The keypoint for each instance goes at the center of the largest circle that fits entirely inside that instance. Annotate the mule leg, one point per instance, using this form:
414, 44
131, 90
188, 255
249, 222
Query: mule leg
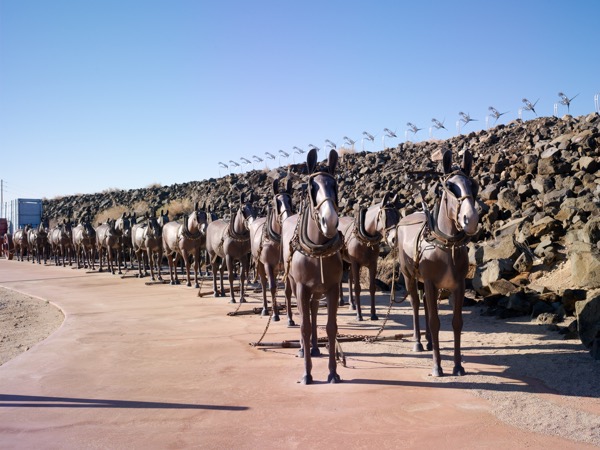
355, 277
170, 258
186, 262
372, 273
331, 328
262, 277
314, 312
140, 258
230, 276
457, 325
303, 299
411, 286
214, 275
288, 302
273, 287
429, 345
244, 269
433, 321
351, 299
196, 267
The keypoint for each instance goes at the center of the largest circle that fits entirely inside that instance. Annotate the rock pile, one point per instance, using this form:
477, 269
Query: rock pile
539, 200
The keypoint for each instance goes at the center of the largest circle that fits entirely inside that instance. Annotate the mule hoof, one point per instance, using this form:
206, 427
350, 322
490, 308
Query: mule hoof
264, 312
172, 283
306, 379
342, 303
300, 353
196, 286
334, 378
418, 347
437, 372
276, 319
243, 300
291, 323
374, 317
429, 346
459, 371
314, 351
216, 294
232, 300
359, 318
188, 284
353, 307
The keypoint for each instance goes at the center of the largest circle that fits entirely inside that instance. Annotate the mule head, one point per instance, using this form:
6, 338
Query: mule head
201, 218
322, 193
462, 191
154, 228
282, 201
389, 216
247, 210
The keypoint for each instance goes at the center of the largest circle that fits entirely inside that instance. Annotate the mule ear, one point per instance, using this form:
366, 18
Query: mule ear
275, 187
467, 162
385, 199
311, 160
394, 201
332, 161
196, 206
288, 186
447, 160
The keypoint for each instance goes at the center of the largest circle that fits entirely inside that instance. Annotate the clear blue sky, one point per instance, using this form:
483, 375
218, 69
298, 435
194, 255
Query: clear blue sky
108, 94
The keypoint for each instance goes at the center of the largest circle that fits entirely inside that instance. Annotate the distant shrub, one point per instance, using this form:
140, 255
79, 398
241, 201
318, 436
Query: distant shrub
113, 212
346, 151
154, 185
179, 206
110, 190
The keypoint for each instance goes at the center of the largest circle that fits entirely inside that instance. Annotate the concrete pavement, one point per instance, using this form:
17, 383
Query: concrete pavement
138, 366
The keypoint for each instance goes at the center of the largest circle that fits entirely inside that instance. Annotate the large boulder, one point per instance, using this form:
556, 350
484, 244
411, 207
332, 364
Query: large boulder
588, 322
585, 265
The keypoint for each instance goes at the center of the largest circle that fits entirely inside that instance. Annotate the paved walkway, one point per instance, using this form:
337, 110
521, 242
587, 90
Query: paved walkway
138, 366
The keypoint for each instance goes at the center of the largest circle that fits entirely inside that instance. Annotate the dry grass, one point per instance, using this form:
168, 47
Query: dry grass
154, 185
179, 206
346, 151
111, 213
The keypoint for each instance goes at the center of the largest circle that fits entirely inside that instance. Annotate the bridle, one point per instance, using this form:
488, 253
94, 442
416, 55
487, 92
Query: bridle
315, 207
459, 200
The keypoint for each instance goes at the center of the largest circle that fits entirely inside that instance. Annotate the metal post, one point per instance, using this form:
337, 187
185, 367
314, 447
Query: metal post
487, 122
556, 110
597, 102
521, 113
458, 126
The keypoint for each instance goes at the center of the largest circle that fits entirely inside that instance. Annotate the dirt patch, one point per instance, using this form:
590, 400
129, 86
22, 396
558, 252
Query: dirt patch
24, 322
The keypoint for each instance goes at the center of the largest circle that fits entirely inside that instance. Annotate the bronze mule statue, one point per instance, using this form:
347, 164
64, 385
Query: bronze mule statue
265, 240
312, 259
363, 234
228, 242
432, 249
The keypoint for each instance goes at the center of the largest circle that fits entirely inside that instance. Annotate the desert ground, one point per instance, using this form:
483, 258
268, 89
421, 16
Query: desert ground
178, 373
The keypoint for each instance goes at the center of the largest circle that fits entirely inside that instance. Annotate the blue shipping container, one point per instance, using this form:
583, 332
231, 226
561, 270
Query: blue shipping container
28, 211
